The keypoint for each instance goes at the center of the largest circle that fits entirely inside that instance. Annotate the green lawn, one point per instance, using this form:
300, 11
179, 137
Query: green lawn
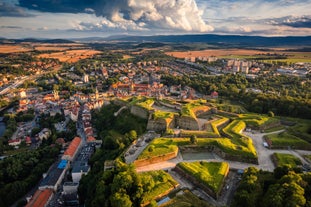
287, 159
163, 115
186, 199
159, 182
162, 146
215, 124
256, 120
212, 174
234, 129
274, 129
284, 139
189, 109
301, 129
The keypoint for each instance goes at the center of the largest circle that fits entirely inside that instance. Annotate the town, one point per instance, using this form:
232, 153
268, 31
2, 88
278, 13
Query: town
176, 109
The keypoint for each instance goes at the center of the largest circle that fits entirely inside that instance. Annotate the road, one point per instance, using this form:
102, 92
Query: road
23, 79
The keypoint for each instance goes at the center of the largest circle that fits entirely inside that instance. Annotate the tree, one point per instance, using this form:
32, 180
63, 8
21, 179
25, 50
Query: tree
132, 135
120, 200
193, 139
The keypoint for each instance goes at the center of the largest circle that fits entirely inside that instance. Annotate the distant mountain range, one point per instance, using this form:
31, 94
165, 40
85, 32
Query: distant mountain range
222, 40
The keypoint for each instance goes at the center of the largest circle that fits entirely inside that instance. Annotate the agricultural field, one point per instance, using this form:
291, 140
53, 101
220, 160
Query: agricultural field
186, 199
285, 140
268, 56
15, 48
70, 56
286, 159
57, 47
211, 174
217, 53
159, 182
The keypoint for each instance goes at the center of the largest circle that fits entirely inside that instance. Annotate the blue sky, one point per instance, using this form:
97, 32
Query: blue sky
101, 18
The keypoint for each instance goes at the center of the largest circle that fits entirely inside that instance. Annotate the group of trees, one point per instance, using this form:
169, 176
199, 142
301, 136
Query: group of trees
21, 172
283, 95
285, 187
118, 187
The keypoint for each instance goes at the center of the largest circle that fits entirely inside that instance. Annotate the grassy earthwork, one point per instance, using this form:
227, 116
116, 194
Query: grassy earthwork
211, 174
286, 159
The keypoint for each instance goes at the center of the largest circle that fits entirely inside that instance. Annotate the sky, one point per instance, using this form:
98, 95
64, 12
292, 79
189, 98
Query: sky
103, 18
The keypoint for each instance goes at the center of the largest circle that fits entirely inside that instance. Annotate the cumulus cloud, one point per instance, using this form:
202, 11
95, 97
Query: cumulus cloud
182, 15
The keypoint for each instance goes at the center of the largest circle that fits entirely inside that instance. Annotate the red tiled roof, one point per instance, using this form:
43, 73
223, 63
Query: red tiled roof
40, 198
91, 139
71, 150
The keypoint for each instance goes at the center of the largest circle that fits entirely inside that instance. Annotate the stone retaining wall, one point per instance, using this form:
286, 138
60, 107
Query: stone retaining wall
186, 122
152, 160
140, 112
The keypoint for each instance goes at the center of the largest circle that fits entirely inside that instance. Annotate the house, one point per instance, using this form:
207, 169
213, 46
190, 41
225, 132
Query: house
54, 177
14, 142
44, 134
214, 95
72, 149
41, 198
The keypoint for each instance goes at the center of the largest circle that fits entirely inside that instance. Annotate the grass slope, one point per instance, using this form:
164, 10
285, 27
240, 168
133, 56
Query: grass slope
211, 174
287, 159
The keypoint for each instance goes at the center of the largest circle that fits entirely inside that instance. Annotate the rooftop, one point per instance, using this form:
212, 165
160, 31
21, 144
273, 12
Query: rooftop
52, 176
40, 198
71, 150
62, 164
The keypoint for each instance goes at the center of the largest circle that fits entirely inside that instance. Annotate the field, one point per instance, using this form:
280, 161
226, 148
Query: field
291, 57
56, 47
14, 48
159, 182
70, 56
211, 174
286, 159
284, 140
216, 53
186, 199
